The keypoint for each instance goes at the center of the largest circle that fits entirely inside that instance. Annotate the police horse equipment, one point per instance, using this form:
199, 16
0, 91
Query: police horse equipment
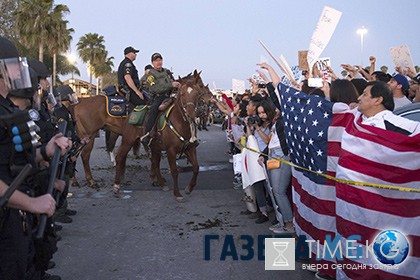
176, 136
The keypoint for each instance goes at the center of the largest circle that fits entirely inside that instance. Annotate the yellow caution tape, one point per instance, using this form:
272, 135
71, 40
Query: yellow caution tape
361, 184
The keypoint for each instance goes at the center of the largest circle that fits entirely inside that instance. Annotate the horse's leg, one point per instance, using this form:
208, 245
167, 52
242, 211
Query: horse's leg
136, 148
192, 157
155, 175
174, 172
128, 138
110, 144
85, 155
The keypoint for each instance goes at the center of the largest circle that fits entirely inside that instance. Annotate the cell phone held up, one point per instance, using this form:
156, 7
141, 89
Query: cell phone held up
315, 82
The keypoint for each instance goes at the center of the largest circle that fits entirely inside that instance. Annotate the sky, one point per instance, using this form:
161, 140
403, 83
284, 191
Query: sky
220, 38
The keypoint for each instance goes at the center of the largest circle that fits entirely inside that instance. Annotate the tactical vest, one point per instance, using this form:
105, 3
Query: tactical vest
162, 82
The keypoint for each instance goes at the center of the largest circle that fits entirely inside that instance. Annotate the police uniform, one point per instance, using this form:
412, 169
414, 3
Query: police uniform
15, 231
127, 67
159, 85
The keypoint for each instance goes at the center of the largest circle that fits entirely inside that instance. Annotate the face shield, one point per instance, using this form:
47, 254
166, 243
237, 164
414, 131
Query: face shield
37, 100
73, 98
15, 73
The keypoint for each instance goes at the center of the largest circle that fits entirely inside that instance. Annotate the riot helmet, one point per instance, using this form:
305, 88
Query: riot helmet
68, 94
14, 70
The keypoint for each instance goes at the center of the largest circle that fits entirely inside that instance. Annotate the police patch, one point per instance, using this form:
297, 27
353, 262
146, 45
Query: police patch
34, 115
150, 80
128, 64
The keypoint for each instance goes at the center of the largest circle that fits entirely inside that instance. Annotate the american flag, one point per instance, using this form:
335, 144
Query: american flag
328, 138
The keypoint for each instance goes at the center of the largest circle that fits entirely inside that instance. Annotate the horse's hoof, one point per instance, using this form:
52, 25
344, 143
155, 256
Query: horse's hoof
116, 190
155, 184
94, 186
165, 188
187, 190
179, 199
75, 184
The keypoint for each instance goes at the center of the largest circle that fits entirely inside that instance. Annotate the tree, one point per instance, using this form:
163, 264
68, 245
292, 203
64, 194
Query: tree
91, 50
7, 8
33, 22
59, 39
110, 78
103, 67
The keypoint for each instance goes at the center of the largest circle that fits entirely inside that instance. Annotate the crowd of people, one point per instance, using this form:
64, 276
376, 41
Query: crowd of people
373, 94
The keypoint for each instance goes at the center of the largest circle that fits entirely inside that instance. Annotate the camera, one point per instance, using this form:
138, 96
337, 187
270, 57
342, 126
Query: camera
262, 85
253, 119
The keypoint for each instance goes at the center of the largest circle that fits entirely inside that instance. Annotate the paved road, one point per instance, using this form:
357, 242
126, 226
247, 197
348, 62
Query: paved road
146, 234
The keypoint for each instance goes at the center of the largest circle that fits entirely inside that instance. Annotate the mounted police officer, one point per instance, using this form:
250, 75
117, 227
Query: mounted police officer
128, 78
159, 82
15, 220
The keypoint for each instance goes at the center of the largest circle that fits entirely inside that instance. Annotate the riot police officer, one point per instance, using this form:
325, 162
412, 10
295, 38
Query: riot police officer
159, 82
128, 77
15, 224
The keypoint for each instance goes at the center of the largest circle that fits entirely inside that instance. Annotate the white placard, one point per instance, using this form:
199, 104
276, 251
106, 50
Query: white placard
401, 57
323, 33
238, 86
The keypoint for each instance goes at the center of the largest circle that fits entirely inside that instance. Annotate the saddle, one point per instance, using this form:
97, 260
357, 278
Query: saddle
116, 106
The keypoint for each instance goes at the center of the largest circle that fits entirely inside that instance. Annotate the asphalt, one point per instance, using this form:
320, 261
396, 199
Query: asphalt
147, 234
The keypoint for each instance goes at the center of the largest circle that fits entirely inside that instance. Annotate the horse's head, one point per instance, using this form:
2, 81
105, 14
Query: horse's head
188, 96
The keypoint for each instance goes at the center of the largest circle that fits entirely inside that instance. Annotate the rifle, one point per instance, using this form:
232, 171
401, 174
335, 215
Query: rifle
52, 176
15, 184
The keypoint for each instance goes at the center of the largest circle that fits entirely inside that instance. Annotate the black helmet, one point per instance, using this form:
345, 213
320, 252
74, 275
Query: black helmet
27, 92
13, 69
65, 91
67, 94
39, 68
7, 49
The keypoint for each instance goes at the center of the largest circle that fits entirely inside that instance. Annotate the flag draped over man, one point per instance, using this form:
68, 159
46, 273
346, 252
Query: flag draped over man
328, 138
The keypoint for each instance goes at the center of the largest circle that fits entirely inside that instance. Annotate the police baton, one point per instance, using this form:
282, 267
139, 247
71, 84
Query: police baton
15, 184
51, 180
63, 170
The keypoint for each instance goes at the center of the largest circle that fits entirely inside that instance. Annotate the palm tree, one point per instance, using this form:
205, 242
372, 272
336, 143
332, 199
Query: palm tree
384, 69
59, 39
91, 50
101, 68
33, 22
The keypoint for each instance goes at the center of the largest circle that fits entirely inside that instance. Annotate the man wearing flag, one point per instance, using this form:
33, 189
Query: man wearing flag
359, 176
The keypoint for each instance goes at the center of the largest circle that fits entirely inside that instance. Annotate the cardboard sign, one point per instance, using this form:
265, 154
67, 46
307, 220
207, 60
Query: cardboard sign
238, 86
303, 60
401, 57
322, 34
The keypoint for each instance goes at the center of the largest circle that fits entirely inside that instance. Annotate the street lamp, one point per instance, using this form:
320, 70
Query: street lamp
71, 58
362, 32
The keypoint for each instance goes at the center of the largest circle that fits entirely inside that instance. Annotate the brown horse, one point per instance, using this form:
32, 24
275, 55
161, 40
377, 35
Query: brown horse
91, 115
181, 117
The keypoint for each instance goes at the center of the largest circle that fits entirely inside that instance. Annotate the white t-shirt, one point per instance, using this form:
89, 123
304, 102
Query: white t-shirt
399, 102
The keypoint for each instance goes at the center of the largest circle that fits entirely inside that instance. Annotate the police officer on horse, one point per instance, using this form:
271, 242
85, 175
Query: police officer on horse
159, 82
128, 78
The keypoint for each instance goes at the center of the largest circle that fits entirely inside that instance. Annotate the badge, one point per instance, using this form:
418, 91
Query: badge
150, 80
34, 115
128, 64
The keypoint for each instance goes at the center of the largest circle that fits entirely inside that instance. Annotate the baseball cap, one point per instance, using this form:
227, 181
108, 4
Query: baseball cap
130, 49
156, 56
401, 80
